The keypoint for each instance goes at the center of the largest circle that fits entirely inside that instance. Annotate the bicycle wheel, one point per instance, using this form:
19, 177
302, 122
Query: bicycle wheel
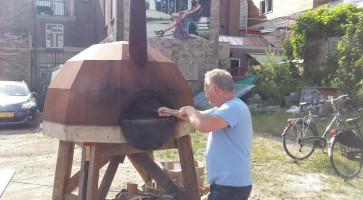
293, 140
343, 166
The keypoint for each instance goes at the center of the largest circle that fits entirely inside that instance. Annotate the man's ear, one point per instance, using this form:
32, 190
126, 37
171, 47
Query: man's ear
216, 89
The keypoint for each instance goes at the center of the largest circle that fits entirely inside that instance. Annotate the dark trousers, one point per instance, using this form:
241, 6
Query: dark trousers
222, 192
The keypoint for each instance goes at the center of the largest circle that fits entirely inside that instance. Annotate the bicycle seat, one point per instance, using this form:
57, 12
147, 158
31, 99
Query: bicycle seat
352, 120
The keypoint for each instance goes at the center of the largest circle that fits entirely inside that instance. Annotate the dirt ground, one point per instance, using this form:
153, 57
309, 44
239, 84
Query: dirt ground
33, 156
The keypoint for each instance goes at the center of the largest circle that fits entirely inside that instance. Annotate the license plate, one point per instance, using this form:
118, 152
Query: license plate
6, 114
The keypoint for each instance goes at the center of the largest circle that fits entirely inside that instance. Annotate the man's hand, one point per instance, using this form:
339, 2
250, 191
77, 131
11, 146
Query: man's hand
166, 112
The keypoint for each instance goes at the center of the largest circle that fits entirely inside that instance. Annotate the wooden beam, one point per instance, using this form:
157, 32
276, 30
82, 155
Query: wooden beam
93, 173
108, 177
119, 149
71, 197
63, 169
73, 182
188, 168
144, 175
158, 174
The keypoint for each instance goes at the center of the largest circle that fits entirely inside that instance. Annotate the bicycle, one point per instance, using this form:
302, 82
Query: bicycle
346, 150
300, 137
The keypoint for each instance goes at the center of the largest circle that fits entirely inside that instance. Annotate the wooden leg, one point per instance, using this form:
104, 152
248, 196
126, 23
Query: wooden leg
84, 172
63, 169
144, 175
73, 182
108, 177
145, 162
188, 169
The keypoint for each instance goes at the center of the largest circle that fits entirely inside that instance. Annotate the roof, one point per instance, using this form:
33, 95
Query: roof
239, 90
244, 41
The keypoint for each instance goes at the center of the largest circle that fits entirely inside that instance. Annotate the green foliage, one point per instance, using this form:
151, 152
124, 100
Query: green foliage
342, 66
276, 78
349, 74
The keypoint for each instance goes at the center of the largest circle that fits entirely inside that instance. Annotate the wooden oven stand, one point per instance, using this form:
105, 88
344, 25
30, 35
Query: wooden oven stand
96, 155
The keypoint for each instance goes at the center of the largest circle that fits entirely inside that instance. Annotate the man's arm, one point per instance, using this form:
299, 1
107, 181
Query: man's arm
201, 121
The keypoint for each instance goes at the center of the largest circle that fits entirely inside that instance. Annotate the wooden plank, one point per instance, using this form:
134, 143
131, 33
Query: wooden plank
6, 176
188, 168
144, 175
63, 169
108, 177
71, 197
93, 173
73, 182
158, 174
119, 149
110, 134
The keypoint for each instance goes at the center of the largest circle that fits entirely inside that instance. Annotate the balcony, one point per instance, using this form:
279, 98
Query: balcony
54, 7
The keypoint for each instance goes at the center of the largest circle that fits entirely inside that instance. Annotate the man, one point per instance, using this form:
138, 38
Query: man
228, 151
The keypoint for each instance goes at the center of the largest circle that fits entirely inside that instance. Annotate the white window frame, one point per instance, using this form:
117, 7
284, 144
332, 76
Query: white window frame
54, 36
265, 6
235, 59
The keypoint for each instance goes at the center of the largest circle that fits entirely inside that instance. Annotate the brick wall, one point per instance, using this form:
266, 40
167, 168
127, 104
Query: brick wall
15, 57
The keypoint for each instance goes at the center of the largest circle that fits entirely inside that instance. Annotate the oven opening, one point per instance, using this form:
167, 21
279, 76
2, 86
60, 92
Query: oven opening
141, 124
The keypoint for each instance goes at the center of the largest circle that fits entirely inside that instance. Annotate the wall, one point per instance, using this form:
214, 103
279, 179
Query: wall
230, 16
224, 53
15, 40
193, 57
280, 8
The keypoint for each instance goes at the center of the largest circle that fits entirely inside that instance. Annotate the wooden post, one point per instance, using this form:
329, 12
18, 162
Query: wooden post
188, 169
82, 192
63, 169
108, 177
93, 173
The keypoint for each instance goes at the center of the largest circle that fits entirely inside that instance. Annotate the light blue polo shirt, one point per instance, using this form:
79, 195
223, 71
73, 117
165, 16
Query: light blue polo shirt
228, 150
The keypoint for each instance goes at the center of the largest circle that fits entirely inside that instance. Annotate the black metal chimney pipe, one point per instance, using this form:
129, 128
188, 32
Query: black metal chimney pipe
137, 34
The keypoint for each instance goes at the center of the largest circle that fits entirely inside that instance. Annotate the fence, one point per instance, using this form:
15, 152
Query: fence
43, 63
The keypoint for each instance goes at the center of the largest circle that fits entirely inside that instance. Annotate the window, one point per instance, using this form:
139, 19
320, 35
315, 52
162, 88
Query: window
235, 62
54, 36
265, 6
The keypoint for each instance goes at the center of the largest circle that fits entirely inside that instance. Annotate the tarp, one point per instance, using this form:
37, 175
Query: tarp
249, 80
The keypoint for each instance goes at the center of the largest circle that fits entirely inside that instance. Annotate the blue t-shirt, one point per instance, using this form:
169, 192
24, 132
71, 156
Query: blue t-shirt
228, 150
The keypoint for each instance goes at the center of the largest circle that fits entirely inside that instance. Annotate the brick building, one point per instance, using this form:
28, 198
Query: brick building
48, 32
15, 40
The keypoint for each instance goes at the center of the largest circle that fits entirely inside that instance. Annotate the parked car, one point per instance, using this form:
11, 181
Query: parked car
18, 104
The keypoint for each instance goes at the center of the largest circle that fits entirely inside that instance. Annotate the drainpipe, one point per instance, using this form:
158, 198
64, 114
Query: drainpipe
34, 69
116, 16
247, 17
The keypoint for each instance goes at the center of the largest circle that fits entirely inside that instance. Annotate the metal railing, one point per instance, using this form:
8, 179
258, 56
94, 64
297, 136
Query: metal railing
53, 7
